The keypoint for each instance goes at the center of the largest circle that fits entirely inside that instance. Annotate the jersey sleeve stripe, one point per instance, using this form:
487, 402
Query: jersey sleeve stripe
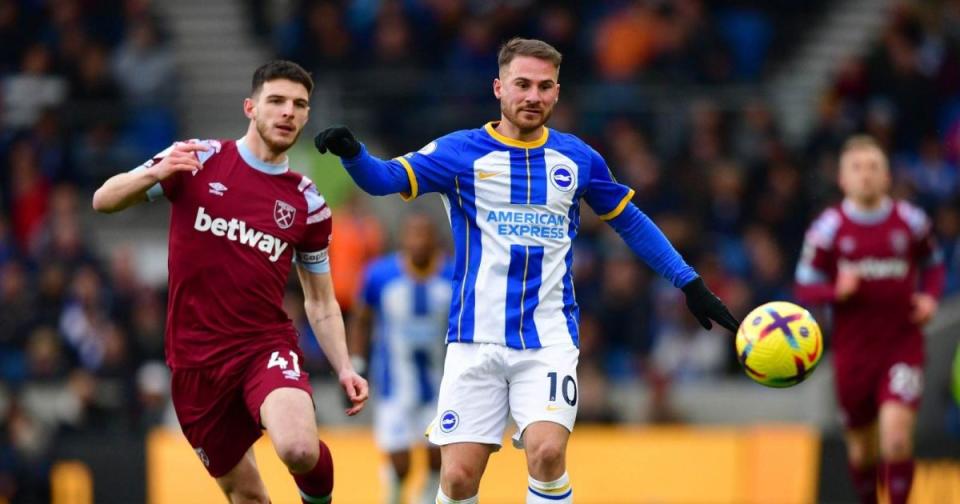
315, 201
414, 190
155, 191
305, 182
619, 209
319, 216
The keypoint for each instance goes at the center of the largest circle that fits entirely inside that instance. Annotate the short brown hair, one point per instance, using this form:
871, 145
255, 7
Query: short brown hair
861, 141
280, 69
528, 47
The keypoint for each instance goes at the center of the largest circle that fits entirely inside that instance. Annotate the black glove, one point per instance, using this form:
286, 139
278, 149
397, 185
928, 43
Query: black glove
339, 140
705, 305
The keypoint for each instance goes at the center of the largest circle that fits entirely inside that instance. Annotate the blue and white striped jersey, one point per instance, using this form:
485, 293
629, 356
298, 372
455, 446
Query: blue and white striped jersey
514, 209
410, 318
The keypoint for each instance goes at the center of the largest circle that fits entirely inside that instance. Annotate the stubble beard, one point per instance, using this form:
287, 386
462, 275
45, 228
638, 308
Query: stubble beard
525, 126
277, 147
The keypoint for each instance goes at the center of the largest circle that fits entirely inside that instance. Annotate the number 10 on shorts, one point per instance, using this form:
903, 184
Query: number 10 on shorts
568, 388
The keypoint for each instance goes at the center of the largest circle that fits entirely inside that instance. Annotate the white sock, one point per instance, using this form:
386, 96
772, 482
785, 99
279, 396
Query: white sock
433, 481
557, 491
443, 499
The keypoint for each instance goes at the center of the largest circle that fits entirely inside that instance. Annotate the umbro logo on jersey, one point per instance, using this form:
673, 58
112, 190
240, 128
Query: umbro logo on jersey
238, 230
217, 188
484, 175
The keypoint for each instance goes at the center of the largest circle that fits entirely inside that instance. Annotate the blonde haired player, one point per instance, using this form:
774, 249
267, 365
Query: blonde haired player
875, 260
512, 189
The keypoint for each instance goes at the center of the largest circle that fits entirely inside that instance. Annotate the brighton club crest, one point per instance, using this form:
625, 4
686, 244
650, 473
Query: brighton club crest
284, 213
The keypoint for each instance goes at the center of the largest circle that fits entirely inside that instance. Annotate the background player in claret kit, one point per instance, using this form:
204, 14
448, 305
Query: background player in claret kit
402, 316
239, 216
512, 189
865, 257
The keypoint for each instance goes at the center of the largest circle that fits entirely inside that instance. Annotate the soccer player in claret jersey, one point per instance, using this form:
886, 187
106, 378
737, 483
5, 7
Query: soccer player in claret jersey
239, 217
867, 257
512, 189
402, 311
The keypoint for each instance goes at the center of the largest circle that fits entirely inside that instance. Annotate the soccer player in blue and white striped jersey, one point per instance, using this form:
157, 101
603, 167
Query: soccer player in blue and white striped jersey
399, 319
512, 190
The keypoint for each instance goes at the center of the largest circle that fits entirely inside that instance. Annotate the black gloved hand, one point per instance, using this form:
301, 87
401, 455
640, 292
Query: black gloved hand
339, 140
705, 305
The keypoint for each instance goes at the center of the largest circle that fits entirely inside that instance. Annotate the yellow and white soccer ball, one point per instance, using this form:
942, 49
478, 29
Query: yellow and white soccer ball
779, 344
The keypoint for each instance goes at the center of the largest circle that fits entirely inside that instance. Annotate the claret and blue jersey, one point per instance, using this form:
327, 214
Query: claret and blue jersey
514, 209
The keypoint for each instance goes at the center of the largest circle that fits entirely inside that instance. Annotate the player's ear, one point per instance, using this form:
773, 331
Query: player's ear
248, 107
497, 88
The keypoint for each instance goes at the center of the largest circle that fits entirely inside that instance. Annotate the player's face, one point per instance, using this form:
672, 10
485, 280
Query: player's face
419, 240
864, 175
279, 110
527, 90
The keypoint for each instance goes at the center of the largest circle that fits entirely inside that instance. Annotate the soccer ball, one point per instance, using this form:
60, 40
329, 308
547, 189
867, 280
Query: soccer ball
779, 344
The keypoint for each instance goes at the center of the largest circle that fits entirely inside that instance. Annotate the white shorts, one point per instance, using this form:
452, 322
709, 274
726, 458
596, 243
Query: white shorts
397, 425
405, 396
483, 382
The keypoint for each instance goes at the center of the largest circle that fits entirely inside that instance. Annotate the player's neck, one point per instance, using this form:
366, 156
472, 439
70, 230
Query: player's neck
510, 130
261, 151
424, 270
869, 205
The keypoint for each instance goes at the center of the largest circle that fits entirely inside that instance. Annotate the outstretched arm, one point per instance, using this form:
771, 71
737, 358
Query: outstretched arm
373, 175
127, 189
611, 200
323, 313
649, 243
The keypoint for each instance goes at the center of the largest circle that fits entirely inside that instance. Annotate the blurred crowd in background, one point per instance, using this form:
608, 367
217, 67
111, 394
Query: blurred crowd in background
88, 89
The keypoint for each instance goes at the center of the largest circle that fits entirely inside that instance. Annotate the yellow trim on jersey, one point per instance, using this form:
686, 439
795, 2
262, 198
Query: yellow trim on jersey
619, 210
414, 189
557, 491
512, 142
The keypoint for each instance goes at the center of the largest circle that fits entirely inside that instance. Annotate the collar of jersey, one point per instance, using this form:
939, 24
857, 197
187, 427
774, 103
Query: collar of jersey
868, 217
421, 274
516, 143
259, 164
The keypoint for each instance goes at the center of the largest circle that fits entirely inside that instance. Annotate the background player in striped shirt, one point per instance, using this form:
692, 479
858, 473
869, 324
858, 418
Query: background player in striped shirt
239, 217
402, 316
512, 190
876, 262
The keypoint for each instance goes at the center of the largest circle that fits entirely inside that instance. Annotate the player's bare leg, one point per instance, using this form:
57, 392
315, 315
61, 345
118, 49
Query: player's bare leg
400, 466
242, 485
433, 475
545, 444
862, 455
288, 416
463, 465
897, 422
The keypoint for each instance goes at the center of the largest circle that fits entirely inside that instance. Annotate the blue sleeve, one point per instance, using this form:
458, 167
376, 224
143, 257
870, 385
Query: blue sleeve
648, 242
373, 281
376, 176
604, 194
433, 167
430, 169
